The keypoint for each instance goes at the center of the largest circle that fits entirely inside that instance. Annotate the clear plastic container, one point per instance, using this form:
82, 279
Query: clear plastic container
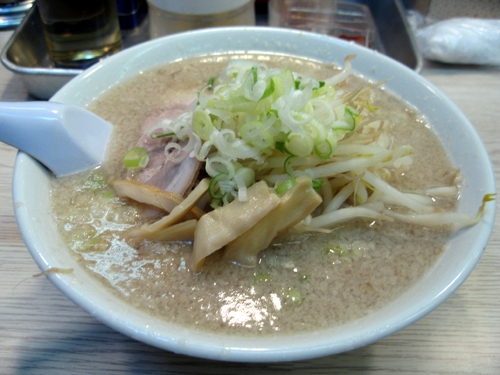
345, 20
173, 16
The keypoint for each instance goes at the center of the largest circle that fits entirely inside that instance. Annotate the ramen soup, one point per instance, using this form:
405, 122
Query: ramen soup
307, 278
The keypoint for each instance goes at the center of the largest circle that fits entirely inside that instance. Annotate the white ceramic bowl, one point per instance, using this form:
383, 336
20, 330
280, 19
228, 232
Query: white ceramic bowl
31, 198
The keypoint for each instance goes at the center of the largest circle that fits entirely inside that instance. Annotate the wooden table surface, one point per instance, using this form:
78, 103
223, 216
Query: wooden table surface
42, 332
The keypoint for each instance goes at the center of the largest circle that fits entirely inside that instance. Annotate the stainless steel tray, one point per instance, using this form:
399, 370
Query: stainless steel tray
26, 55
26, 52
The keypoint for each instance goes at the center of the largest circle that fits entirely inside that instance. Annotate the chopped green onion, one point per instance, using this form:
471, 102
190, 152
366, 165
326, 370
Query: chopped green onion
350, 115
269, 91
274, 112
324, 150
342, 125
136, 158
202, 124
287, 165
327, 91
255, 76
247, 174
295, 296
287, 76
279, 87
239, 104
213, 188
285, 186
349, 119
334, 249
162, 135
253, 132
280, 146
317, 183
262, 277
299, 144
352, 111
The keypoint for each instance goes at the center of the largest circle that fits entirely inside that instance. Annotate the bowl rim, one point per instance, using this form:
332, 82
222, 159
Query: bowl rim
232, 348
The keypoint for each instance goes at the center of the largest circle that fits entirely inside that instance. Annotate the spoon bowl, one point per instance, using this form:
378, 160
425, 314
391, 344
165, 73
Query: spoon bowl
65, 138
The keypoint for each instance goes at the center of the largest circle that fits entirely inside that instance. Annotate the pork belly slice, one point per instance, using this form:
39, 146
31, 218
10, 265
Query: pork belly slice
165, 174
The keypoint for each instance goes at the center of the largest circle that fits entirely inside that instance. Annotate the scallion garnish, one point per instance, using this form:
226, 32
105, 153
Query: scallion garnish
136, 158
255, 75
156, 136
285, 186
214, 189
287, 165
317, 183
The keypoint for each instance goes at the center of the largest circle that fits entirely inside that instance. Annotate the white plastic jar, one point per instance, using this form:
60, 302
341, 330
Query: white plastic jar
173, 16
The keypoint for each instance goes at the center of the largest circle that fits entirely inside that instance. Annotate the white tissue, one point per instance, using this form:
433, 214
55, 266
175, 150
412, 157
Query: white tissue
461, 41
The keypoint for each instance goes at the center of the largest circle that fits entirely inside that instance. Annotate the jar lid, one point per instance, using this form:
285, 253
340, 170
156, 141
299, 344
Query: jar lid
198, 7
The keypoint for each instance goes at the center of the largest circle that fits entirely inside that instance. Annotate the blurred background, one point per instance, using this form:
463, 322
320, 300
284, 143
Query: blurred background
60, 38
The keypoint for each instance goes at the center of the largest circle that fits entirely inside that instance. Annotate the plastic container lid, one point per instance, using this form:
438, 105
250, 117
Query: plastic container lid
198, 7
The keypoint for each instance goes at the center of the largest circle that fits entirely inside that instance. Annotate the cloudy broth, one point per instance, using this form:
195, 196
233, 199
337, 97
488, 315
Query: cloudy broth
302, 282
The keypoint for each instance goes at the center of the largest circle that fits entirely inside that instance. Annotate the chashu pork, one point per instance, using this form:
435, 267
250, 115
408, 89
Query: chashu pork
165, 174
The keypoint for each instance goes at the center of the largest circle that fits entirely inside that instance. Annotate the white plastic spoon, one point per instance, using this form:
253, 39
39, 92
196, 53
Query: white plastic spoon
65, 138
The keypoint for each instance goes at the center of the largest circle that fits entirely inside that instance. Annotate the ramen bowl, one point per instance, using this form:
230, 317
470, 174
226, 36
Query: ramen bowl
32, 181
